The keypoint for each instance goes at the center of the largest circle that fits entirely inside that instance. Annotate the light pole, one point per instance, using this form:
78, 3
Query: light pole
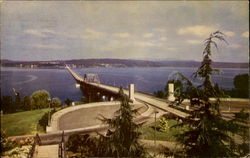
155, 111
49, 112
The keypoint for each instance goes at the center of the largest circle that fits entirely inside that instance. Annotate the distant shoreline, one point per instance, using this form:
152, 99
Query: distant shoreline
120, 67
114, 63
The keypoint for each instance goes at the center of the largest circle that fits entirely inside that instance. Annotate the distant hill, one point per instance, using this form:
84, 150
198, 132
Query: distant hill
80, 63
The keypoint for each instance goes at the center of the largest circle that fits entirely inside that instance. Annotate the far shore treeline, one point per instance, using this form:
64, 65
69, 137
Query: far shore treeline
84, 63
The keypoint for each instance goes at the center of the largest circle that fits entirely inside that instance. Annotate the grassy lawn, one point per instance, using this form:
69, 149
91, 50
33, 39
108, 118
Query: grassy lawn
22, 123
168, 135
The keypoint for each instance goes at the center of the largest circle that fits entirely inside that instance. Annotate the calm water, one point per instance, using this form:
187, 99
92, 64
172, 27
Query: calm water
61, 84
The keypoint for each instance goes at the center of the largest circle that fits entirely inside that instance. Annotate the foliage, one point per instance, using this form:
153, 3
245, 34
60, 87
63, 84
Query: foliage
27, 103
68, 101
149, 132
43, 122
164, 93
7, 104
164, 125
177, 86
5, 143
14, 148
160, 94
40, 99
82, 145
19, 151
121, 140
243, 117
87, 100
208, 133
55, 102
241, 84
17, 102
241, 87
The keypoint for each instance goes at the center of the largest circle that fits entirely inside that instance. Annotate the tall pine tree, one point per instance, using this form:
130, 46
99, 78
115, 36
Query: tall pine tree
208, 134
121, 140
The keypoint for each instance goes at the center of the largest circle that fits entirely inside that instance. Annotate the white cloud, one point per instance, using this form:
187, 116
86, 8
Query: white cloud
91, 34
195, 42
47, 32
45, 46
229, 33
171, 48
163, 39
234, 46
144, 44
197, 30
161, 30
122, 35
35, 33
148, 35
245, 34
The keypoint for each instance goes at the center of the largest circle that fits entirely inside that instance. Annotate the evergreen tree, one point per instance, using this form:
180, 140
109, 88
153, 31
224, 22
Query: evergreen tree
7, 104
121, 139
18, 103
208, 134
27, 103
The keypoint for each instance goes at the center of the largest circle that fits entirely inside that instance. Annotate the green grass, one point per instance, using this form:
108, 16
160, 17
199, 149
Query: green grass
148, 131
22, 123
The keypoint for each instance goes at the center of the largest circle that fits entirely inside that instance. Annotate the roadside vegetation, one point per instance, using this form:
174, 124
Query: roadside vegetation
13, 148
22, 123
27, 115
161, 130
38, 100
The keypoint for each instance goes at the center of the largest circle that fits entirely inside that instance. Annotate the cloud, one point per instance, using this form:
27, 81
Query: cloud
47, 33
163, 39
171, 48
245, 34
35, 33
229, 33
144, 44
148, 35
45, 46
197, 30
91, 34
122, 35
194, 42
234, 46
161, 30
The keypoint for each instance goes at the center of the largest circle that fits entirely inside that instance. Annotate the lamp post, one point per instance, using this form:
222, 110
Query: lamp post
155, 111
49, 112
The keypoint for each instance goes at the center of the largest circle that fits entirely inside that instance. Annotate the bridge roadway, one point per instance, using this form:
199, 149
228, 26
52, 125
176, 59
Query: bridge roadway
140, 97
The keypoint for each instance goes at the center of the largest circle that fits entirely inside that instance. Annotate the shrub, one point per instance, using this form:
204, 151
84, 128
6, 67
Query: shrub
43, 122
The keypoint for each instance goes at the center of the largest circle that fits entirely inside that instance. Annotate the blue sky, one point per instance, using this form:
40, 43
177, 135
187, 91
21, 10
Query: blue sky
158, 30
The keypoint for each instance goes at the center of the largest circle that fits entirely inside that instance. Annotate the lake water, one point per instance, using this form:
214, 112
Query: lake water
59, 83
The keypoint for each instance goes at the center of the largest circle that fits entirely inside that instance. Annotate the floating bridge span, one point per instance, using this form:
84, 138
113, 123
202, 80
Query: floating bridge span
140, 97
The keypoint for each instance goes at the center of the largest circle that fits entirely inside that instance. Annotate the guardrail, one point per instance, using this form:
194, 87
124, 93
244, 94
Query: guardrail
62, 148
37, 141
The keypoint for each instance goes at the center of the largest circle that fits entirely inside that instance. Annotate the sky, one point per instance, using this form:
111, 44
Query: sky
151, 30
